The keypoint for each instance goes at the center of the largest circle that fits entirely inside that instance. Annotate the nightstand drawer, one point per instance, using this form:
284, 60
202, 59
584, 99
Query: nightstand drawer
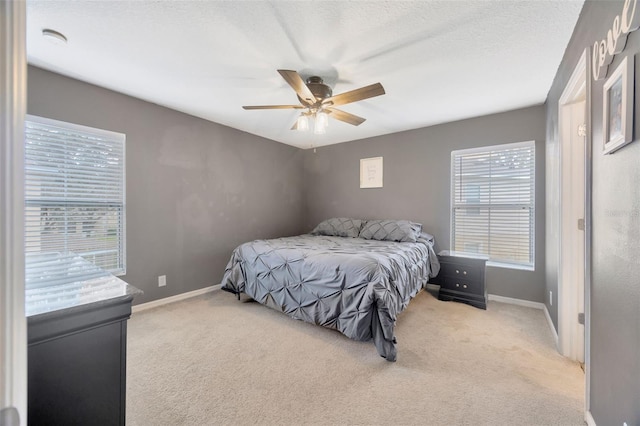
462, 285
460, 271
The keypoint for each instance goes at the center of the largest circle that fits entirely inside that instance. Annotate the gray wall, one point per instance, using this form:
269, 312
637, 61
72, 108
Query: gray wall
195, 189
417, 181
615, 268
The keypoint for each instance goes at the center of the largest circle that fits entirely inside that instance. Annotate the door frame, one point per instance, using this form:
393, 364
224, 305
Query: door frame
13, 324
567, 310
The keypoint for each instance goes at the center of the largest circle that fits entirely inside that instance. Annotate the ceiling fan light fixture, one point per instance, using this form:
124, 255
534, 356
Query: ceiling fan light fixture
303, 123
323, 117
320, 123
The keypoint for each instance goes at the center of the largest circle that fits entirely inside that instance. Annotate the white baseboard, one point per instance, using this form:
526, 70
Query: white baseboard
176, 298
529, 304
589, 419
551, 326
519, 302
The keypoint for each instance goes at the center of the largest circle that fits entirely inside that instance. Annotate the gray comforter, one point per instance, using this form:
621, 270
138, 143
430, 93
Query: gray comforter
353, 285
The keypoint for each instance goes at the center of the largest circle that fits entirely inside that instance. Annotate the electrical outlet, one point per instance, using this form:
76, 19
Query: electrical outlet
550, 298
162, 280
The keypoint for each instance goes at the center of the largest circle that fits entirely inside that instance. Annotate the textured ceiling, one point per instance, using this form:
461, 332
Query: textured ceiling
439, 61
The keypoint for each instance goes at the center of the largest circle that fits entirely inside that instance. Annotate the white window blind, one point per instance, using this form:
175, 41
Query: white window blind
493, 202
75, 192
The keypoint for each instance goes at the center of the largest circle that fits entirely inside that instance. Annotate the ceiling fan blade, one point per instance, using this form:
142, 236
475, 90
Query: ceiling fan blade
273, 107
355, 95
345, 116
298, 84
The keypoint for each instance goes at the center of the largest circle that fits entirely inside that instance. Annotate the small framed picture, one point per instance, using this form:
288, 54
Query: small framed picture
371, 172
617, 100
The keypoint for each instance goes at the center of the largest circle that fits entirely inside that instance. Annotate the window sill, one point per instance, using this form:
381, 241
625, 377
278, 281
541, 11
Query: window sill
511, 266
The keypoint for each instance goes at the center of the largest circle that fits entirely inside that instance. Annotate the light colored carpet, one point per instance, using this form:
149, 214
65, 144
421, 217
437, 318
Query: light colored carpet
214, 360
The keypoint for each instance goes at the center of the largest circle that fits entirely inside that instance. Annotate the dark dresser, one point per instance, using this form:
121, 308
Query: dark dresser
462, 278
77, 346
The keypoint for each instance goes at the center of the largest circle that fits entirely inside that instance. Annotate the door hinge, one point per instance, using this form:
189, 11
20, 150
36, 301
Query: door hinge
581, 318
581, 224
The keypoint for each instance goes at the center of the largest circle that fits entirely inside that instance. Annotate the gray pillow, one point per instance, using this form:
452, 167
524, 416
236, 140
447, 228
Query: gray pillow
427, 236
339, 227
391, 230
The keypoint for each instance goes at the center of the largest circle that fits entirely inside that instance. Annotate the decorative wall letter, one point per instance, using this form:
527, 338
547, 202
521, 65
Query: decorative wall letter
605, 49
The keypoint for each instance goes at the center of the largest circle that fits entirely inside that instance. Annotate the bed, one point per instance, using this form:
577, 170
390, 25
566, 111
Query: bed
350, 275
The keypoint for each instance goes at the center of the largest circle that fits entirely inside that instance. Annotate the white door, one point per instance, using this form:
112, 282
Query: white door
572, 228
13, 330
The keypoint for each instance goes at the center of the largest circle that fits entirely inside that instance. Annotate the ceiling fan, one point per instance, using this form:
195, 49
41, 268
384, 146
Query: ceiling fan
317, 101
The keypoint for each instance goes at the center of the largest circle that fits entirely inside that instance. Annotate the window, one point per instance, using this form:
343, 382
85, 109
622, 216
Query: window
75, 193
493, 203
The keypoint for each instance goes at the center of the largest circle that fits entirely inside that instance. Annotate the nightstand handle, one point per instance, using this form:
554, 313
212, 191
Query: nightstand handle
457, 285
464, 272
457, 272
465, 286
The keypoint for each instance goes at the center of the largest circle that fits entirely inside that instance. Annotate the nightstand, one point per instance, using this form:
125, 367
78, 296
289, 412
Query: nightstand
461, 278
